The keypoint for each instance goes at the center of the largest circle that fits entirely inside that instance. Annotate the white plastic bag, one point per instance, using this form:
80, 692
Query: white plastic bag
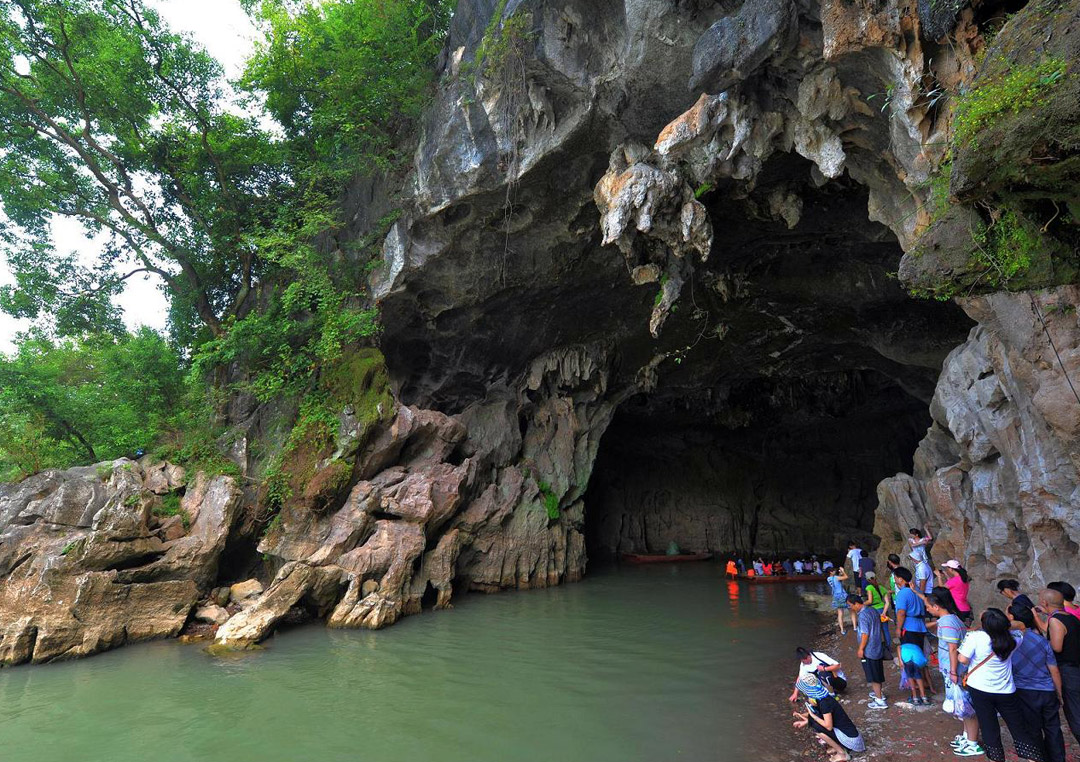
960, 699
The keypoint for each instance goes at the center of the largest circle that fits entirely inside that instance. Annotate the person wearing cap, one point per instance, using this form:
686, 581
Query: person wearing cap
877, 600
871, 652
955, 577
924, 574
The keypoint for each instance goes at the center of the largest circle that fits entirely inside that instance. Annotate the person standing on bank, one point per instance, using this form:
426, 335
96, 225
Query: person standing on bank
955, 577
879, 601
1010, 588
910, 615
871, 649
989, 680
1038, 682
950, 634
836, 580
1063, 632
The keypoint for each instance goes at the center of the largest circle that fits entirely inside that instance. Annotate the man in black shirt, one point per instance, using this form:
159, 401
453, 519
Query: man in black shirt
1063, 631
1010, 588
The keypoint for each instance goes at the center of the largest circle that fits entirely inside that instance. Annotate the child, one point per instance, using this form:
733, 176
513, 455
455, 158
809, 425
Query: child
913, 660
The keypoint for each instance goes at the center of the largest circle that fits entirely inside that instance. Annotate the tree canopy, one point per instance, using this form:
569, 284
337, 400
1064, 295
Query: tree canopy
109, 118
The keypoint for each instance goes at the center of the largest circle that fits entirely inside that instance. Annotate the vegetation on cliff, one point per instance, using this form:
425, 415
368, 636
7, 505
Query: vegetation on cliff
229, 193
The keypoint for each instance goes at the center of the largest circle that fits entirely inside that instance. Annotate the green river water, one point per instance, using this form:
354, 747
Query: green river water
634, 663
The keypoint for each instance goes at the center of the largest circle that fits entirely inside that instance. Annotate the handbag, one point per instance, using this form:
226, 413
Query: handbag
966, 675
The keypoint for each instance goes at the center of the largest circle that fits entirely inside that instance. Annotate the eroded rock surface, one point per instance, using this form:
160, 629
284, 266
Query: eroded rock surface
86, 565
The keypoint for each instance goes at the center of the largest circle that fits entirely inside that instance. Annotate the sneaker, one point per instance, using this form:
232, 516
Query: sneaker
958, 741
969, 749
877, 704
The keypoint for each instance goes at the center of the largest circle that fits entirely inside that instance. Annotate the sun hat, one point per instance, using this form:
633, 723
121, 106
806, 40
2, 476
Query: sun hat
811, 687
952, 563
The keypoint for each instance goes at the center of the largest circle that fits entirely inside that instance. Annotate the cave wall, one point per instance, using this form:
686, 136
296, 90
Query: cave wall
805, 483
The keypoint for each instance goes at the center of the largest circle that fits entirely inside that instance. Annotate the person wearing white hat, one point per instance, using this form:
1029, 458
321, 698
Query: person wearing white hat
955, 577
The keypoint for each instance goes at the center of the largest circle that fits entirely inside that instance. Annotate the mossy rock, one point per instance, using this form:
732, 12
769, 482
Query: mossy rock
1021, 117
963, 254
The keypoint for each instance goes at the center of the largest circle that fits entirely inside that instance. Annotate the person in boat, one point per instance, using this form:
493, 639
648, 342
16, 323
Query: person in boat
798, 566
825, 717
732, 569
827, 669
741, 564
836, 580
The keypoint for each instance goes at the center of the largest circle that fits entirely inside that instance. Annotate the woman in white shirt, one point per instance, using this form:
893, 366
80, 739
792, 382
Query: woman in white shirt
990, 683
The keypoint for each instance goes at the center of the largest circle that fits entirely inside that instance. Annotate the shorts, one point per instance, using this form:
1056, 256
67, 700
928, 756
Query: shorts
913, 671
874, 669
917, 638
840, 602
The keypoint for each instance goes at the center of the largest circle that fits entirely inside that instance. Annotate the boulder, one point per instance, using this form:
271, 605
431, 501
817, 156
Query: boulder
212, 614
243, 592
83, 571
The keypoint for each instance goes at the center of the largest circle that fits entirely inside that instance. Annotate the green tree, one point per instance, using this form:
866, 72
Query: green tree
109, 118
80, 401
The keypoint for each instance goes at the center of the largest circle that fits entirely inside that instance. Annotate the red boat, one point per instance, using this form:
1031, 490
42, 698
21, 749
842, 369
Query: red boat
643, 558
783, 578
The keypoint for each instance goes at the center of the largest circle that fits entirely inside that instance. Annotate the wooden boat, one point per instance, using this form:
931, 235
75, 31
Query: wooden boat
645, 558
783, 578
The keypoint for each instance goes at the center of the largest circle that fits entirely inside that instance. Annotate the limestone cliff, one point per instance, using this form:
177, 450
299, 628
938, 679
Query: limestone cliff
645, 290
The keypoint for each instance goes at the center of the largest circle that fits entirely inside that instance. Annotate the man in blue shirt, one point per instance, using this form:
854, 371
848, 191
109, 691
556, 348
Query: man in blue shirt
871, 652
910, 611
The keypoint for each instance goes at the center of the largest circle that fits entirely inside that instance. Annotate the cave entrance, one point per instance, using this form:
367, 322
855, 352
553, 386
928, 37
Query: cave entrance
772, 467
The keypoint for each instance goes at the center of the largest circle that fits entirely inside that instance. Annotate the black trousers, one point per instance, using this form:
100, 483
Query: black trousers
1070, 692
1043, 721
987, 708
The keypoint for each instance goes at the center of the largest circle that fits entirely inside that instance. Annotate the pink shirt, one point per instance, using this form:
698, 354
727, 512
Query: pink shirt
959, 590
1074, 610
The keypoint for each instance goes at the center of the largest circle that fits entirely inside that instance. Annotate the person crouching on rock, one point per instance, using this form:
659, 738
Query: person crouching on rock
821, 665
827, 718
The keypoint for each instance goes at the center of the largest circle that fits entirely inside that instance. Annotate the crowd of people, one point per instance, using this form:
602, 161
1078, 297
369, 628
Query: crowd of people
1019, 663
776, 567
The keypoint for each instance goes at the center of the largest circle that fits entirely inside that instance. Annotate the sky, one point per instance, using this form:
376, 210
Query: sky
223, 28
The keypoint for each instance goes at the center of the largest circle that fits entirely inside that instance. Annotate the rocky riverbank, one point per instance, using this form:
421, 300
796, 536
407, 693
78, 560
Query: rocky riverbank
901, 732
